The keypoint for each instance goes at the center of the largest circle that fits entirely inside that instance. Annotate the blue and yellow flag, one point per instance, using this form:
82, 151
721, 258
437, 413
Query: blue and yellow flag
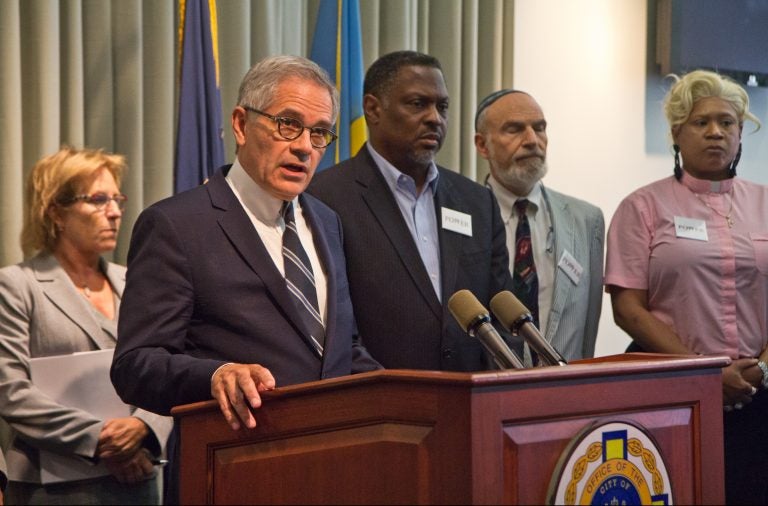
337, 47
199, 140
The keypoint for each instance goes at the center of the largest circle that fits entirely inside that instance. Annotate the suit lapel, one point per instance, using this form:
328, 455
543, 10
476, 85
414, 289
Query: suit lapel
450, 242
383, 206
240, 231
326, 259
563, 225
115, 276
60, 290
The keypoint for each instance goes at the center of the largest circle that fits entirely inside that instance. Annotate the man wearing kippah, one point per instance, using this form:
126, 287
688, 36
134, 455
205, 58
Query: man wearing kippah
555, 241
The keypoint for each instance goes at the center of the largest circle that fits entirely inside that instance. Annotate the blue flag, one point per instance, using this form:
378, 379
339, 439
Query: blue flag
337, 47
199, 140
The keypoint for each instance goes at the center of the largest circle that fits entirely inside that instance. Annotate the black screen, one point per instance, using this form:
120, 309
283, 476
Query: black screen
730, 36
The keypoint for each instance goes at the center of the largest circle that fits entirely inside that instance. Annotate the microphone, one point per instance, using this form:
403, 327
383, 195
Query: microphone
476, 321
516, 318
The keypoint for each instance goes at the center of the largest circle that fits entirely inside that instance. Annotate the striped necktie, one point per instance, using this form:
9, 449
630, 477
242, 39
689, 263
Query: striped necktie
300, 280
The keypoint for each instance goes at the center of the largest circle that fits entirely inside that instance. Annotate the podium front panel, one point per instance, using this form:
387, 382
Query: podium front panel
418, 437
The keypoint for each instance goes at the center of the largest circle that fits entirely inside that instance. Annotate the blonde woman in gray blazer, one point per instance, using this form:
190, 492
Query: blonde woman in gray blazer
62, 300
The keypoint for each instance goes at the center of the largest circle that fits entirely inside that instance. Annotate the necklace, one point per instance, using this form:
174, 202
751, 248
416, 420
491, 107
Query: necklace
727, 216
81, 280
83, 287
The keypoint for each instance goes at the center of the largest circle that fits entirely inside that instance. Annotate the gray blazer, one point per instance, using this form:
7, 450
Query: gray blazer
3, 472
42, 314
573, 320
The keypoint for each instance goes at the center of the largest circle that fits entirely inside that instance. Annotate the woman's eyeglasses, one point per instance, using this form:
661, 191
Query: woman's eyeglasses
100, 200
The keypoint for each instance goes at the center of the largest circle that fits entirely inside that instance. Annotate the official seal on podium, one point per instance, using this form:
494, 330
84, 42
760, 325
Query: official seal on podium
611, 462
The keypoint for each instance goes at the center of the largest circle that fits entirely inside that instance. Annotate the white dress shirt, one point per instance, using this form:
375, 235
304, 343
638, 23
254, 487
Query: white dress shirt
264, 212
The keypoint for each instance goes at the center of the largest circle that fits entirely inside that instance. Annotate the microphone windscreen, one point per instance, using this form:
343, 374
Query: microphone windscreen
508, 308
465, 307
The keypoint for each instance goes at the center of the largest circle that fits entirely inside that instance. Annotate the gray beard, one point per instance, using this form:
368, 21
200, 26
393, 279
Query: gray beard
522, 175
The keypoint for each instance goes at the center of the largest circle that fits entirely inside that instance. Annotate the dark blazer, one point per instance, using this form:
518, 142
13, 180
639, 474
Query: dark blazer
401, 321
202, 291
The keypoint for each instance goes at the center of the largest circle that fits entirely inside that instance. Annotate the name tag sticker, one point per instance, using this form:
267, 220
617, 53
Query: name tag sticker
456, 221
570, 266
689, 228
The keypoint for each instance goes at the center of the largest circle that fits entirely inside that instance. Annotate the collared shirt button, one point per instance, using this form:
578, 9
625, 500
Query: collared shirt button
448, 353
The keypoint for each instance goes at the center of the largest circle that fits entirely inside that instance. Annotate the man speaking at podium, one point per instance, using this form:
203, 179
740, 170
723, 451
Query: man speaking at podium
239, 285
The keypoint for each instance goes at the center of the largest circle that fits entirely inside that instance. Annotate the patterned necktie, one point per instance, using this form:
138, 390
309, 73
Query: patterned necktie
524, 278
300, 280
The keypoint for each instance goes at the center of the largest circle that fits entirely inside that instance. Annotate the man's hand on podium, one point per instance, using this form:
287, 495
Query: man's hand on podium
233, 384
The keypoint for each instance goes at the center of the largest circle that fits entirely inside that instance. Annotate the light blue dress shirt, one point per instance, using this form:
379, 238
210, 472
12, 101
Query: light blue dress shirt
418, 211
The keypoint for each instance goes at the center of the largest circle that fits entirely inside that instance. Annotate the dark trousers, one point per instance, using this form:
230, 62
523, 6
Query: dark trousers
746, 449
171, 472
105, 490
746, 452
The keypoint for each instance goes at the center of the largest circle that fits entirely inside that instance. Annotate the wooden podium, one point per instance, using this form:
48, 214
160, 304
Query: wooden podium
425, 437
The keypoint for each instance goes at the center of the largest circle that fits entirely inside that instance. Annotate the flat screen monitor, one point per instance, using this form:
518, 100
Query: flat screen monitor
729, 36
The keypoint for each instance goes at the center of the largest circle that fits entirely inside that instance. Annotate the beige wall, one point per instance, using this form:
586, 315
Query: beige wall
585, 64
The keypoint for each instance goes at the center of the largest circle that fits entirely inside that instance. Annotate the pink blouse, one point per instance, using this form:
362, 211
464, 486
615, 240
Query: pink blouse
706, 280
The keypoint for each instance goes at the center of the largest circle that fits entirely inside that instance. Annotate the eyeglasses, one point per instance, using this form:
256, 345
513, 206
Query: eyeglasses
100, 200
291, 128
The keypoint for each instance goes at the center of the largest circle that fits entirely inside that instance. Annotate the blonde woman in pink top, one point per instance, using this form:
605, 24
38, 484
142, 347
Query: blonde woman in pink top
687, 266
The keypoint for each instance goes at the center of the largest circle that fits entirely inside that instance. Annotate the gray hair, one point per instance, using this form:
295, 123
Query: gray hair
260, 83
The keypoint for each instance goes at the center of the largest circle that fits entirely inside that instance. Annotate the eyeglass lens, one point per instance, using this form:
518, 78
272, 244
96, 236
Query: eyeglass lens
100, 200
291, 129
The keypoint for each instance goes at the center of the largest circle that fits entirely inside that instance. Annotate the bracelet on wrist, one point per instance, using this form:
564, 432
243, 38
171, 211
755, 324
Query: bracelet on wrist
763, 367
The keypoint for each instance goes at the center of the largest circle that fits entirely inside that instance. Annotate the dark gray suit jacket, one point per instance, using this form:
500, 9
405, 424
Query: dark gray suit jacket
401, 321
202, 290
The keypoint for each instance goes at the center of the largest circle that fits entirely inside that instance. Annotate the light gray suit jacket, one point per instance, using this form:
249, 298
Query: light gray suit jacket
3, 472
42, 314
579, 228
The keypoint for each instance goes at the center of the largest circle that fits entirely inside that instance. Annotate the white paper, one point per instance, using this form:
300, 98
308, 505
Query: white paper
80, 380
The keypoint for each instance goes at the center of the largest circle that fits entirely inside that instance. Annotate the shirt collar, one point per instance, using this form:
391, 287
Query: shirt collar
507, 199
697, 185
263, 206
396, 179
